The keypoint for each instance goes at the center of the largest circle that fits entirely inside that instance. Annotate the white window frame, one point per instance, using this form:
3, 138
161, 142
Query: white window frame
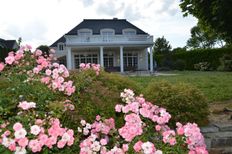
107, 57
107, 38
85, 34
134, 55
84, 56
129, 32
60, 46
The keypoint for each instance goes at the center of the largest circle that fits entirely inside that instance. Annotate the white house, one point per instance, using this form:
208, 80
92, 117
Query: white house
115, 44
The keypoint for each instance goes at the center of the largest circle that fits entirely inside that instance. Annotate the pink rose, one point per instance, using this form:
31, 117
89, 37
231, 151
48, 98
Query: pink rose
138, 146
118, 108
17, 126
103, 141
125, 147
2, 65
23, 142
61, 144
35, 129
157, 127
9, 60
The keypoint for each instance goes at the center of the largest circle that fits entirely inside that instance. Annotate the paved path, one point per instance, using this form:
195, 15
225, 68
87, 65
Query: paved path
146, 73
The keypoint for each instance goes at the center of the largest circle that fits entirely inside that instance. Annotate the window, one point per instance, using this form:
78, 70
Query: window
85, 58
85, 34
108, 60
130, 60
107, 34
61, 46
129, 32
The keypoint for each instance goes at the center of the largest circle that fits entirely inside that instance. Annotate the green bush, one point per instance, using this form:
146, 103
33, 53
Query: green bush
202, 66
98, 95
211, 56
226, 63
184, 102
180, 64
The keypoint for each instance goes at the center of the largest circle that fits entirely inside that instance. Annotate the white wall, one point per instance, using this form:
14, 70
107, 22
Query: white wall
142, 60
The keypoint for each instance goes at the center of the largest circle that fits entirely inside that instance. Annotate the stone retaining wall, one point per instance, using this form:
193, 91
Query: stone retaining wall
218, 138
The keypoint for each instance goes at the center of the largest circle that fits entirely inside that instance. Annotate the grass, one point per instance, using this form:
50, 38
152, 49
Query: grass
217, 86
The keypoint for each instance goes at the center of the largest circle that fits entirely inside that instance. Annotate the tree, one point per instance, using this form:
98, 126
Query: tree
200, 39
19, 41
161, 46
215, 15
203, 39
179, 49
45, 49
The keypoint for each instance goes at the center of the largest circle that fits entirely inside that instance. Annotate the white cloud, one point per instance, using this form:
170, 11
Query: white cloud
109, 7
44, 21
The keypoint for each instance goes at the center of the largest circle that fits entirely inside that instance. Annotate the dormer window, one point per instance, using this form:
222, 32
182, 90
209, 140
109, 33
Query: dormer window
61, 46
85, 34
129, 32
107, 34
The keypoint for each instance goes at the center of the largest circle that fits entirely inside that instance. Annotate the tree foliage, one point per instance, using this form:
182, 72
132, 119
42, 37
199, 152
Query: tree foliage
161, 46
215, 15
44, 48
201, 39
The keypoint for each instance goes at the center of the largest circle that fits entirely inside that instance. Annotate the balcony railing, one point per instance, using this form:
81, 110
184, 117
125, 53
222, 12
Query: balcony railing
94, 39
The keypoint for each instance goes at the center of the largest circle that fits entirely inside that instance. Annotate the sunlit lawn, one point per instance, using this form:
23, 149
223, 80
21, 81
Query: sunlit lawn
217, 86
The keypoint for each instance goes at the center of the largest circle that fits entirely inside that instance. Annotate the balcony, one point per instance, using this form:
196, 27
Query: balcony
113, 40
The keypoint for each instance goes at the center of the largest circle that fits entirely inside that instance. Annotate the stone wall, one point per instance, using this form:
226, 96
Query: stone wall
218, 138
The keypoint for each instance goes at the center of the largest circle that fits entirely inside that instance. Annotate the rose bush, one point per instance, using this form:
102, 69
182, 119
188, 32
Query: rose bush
36, 134
57, 124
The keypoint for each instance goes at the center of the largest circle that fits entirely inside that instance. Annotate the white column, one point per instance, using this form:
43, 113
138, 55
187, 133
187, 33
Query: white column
146, 58
69, 58
101, 57
121, 59
151, 60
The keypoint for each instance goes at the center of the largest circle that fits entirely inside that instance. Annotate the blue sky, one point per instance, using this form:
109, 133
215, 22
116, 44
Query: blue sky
44, 21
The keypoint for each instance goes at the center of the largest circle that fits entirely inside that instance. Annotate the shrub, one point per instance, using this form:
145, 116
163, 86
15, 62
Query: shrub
182, 101
192, 57
202, 66
98, 94
179, 64
141, 127
226, 63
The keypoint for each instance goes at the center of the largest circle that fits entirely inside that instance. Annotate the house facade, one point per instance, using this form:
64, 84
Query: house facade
115, 44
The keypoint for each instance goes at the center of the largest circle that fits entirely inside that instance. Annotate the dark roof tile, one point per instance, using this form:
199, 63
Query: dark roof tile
62, 39
97, 24
8, 43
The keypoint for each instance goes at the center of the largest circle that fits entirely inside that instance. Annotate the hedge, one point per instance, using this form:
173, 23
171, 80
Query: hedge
186, 60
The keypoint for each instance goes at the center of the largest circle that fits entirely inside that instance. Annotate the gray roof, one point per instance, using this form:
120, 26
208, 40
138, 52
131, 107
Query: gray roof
61, 39
8, 43
97, 24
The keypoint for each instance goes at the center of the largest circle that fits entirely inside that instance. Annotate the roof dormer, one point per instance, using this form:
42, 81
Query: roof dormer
85, 32
129, 31
107, 31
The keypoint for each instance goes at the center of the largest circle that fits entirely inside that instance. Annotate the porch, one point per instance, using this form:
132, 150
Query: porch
111, 58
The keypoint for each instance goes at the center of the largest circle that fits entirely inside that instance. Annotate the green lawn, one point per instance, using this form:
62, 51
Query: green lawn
217, 86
